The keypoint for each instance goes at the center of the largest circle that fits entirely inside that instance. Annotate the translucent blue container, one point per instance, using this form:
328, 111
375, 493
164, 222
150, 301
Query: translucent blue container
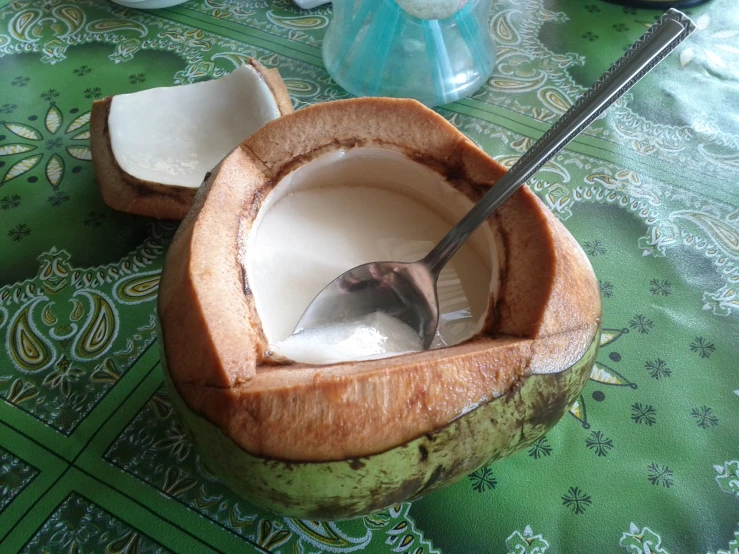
375, 48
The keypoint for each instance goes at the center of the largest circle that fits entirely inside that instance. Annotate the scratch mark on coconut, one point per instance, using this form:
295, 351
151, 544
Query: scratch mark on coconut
409, 489
281, 498
356, 464
518, 382
253, 207
549, 406
297, 160
328, 509
438, 471
443, 474
263, 354
501, 308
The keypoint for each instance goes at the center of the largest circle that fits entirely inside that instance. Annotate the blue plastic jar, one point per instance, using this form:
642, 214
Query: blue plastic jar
376, 48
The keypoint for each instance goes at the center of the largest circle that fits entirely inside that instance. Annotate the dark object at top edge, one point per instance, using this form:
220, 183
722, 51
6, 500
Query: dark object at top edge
658, 4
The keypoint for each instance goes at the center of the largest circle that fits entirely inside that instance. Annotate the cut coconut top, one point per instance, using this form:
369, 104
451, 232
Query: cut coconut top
166, 135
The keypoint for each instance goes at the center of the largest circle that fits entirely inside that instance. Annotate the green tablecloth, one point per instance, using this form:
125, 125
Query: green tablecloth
91, 455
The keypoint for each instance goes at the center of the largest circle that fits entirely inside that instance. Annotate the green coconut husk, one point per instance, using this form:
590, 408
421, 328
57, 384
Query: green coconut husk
359, 486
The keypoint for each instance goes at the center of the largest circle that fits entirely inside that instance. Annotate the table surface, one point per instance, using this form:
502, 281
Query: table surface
647, 460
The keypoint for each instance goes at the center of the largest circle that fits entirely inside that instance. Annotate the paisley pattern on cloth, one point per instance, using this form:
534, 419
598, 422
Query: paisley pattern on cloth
92, 456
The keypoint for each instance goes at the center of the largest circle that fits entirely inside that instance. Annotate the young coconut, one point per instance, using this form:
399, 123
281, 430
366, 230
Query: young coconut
150, 149
345, 439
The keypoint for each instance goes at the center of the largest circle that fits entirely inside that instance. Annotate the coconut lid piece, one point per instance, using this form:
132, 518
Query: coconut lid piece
152, 149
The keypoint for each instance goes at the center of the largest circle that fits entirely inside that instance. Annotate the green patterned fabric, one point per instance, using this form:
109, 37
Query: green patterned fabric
93, 459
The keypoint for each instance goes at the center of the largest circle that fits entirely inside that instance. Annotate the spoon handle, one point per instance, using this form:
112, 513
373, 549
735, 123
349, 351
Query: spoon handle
661, 39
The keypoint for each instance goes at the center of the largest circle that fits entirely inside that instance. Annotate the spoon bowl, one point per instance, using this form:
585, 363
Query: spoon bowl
405, 291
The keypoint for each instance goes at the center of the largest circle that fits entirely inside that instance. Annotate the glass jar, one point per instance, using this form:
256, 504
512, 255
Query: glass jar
377, 48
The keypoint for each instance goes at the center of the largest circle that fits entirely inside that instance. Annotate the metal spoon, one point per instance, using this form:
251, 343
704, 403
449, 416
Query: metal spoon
407, 291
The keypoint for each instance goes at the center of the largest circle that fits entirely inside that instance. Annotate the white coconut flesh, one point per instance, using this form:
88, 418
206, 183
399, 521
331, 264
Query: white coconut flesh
165, 135
351, 207
376, 335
